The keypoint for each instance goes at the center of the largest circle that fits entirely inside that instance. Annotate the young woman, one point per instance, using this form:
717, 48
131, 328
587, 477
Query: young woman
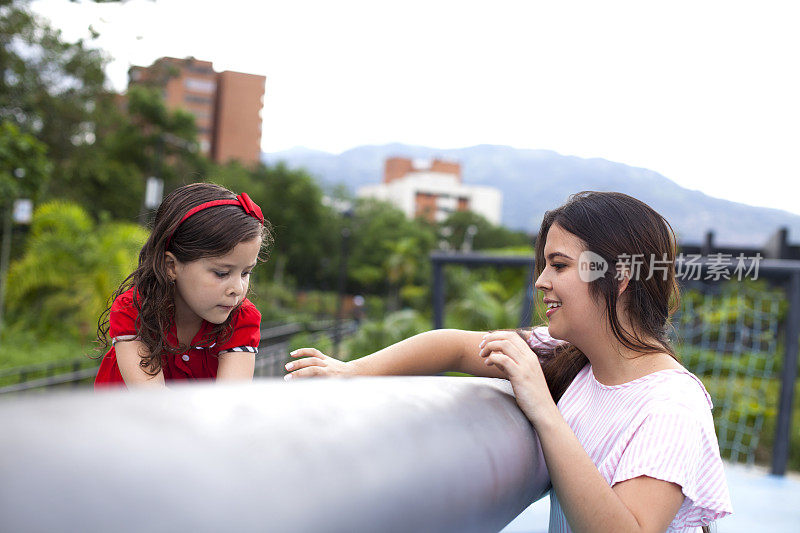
626, 431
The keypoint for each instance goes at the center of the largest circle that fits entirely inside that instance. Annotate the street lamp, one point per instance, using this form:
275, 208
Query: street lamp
347, 215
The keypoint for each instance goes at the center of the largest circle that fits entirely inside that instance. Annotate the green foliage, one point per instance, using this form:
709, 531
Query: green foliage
144, 139
482, 303
388, 248
23, 164
736, 402
70, 268
487, 235
377, 334
705, 361
48, 86
20, 346
102, 147
739, 306
323, 343
306, 231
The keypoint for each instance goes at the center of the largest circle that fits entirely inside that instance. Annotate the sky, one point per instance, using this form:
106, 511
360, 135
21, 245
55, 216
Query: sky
706, 93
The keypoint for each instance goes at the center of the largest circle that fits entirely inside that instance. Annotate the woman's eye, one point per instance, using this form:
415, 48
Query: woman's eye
220, 274
558, 266
245, 274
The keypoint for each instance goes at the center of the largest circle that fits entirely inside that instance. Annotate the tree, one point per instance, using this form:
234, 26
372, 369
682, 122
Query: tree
103, 146
47, 86
24, 166
306, 231
479, 303
401, 266
70, 268
487, 235
378, 334
133, 141
378, 227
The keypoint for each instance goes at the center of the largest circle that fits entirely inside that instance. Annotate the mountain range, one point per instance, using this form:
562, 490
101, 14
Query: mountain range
533, 181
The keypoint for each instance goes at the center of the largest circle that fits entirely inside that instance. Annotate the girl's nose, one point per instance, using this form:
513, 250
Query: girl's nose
236, 287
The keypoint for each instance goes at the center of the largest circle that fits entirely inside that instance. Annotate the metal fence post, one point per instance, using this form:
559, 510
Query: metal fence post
526, 313
780, 451
438, 295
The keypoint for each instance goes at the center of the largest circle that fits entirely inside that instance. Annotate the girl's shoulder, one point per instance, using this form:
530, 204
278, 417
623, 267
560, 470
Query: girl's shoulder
246, 335
122, 316
248, 314
125, 299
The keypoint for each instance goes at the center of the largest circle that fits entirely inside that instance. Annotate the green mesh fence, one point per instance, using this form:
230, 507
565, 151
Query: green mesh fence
728, 337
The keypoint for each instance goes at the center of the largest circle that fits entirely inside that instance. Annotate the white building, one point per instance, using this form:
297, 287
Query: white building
432, 189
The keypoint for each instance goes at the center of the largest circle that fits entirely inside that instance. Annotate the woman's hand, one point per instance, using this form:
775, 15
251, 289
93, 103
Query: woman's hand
315, 363
507, 351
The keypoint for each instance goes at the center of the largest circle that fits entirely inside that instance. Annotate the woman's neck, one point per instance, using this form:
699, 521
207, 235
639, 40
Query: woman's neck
614, 364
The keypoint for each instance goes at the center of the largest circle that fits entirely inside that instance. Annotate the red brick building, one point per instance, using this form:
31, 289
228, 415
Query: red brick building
226, 105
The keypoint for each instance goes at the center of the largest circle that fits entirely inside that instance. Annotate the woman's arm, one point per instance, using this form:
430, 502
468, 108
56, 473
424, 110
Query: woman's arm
642, 504
129, 357
429, 353
236, 366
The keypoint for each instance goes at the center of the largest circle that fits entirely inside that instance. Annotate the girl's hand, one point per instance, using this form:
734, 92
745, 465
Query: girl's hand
509, 353
315, 363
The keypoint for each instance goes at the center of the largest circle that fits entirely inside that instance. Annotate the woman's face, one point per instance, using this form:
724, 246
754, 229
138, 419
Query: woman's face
572, 312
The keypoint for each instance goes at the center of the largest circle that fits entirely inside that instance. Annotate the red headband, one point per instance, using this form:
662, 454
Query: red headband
242, 200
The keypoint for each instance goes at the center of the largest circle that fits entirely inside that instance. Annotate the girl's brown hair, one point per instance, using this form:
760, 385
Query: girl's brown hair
617, 227
210, 232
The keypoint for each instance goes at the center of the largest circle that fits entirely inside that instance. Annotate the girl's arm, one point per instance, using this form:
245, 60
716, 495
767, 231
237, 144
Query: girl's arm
642, 504
432, 352
236, 366
129, 357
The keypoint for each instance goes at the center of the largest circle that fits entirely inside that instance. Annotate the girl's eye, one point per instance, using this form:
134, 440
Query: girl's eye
245, 274
558, 266
220, 274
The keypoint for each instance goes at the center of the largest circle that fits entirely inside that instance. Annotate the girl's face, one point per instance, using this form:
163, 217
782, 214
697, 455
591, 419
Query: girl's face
209, 288
572, 312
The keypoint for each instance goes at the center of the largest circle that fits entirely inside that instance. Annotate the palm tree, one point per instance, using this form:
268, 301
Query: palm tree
70, 268
400, 265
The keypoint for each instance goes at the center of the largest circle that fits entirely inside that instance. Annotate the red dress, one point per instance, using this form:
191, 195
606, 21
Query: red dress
198, 362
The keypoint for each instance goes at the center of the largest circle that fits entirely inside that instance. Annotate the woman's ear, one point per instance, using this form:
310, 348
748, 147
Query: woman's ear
624, 276
171, 264
623, 284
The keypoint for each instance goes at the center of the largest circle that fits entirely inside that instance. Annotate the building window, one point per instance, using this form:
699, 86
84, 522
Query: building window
197, 69
199, 86
198, 99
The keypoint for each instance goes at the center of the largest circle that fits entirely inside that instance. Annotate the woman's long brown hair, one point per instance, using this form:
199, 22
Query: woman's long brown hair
615, 225
208, 233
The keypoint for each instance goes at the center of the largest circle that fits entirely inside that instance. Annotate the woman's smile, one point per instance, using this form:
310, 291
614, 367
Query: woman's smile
552, 306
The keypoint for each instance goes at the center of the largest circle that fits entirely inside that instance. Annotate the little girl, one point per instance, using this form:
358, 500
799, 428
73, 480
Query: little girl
626, 431
183, 313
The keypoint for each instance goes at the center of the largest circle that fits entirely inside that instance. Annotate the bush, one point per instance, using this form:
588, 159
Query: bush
69, 270
377, 334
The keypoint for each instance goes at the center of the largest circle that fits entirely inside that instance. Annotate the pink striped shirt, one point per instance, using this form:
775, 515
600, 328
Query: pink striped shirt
659, 426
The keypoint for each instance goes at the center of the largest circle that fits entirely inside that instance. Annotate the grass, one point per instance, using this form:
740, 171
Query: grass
18, 349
